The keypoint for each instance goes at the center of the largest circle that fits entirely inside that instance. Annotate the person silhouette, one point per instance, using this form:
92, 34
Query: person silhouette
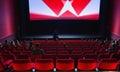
55, 36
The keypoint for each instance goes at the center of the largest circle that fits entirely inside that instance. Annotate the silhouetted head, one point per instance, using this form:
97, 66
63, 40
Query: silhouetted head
6, 41
37, 45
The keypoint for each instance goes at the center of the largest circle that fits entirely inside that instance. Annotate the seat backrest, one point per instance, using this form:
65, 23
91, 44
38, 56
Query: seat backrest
44, 64
21, 57
49, 56
86, 64
91, 56
65, 64
116, 56
77, 56
63, 56
103, 56
108, 64
7, 57
22, 65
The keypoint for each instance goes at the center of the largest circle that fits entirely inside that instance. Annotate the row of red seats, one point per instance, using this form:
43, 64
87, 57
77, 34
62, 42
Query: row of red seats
29, 54
62, 61
75, 57
60, 52
64, 65
54, 56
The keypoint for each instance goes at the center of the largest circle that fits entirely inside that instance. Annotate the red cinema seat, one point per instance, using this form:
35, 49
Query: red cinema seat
22, 65
50, 52
49, 56
63, 56
44, 65
87, 64
116, 56
103, 56
21, 57
5, 65
91, 56
108, 64
65, 64
7, 57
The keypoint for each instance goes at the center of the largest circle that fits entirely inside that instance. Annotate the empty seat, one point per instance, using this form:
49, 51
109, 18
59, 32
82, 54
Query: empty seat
108, 64
113, 52
49, 56
63, 52
116, 56
17, 53
5, 64
27, 52
22, 65
50, 52
77, 56
21, 57
88, 50
87, 64
5, 53
63, 56
44, 64
77, 52
91, 56
65, 64
103, 56
7, 57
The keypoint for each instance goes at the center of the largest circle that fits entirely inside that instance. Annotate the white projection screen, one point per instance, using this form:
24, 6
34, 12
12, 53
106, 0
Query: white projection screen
64, 9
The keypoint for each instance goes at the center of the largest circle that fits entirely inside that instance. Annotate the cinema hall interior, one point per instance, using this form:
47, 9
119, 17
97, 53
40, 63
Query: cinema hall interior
59, 35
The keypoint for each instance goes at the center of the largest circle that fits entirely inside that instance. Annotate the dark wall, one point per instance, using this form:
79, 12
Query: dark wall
63, 27
7, 18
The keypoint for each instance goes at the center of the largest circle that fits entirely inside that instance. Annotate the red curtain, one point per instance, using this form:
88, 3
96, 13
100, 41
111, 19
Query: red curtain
7, 18
115, 28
